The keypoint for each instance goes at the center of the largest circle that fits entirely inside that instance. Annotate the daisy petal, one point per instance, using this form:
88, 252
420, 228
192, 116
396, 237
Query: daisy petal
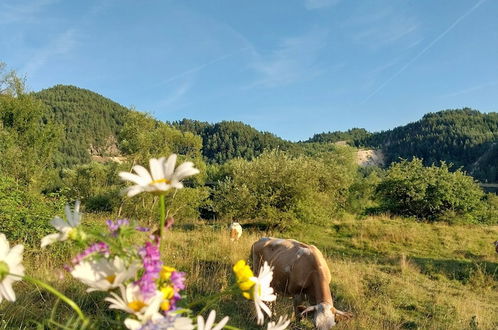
49, 239
140, 170
169, 166
133, 178
4, 246
156, 168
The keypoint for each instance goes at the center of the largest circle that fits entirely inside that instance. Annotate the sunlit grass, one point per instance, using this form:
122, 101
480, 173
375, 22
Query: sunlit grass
391, 273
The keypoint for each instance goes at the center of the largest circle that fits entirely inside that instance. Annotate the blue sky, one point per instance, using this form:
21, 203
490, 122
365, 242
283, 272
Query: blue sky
291, 67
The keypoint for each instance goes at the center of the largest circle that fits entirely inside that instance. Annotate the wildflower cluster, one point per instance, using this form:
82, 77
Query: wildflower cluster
171, 283
134, 276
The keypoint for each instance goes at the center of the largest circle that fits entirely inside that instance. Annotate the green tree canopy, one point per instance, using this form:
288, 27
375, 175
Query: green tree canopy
411, 189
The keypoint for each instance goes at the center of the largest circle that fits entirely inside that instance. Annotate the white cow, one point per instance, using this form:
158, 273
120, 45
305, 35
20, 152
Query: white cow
235, 231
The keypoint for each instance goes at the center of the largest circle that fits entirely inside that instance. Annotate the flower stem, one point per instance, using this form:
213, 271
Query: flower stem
210, 300
58, 294
163, 219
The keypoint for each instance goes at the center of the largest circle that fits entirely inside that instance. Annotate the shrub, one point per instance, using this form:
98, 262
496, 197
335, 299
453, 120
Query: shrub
25, 214
279, 189
433, 193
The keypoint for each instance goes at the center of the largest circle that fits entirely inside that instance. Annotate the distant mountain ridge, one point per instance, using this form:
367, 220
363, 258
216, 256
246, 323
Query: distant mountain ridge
465, 137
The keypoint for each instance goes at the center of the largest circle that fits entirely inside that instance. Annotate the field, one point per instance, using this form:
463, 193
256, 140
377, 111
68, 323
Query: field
391, 273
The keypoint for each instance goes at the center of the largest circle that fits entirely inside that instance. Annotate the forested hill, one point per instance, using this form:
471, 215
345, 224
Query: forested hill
91, 122
92, 126
465, 137
230, 139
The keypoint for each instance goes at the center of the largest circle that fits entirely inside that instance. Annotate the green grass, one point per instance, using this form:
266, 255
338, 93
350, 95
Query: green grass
391, 273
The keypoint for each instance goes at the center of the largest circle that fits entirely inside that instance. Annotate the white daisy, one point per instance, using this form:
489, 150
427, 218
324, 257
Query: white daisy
102, 274
208, 325
262, 291
282, 324
162, 177
65, 228
132, 301
10, 263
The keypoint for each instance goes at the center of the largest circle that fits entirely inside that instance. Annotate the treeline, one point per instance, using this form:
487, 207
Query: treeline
353, 136
230, 139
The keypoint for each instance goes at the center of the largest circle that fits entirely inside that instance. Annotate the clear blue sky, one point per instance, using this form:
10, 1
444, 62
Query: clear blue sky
291, 67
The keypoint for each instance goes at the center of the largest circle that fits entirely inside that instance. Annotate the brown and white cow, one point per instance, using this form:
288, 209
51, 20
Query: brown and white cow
299, 270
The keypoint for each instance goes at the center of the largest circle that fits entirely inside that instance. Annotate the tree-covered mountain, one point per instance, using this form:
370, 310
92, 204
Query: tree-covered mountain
230, 139
91, 122
464, 137
458, 136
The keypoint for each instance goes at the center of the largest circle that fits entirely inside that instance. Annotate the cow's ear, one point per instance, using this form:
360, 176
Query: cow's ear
304, 311
340, 315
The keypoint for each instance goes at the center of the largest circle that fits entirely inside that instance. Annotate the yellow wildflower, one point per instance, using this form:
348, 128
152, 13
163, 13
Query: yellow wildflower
244, 274
165, 273
168, 292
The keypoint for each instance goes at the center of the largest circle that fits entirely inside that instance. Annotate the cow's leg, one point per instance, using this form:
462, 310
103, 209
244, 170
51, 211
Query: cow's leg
298, 305
256, 262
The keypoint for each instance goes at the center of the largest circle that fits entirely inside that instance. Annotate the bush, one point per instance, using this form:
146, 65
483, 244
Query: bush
433, 193
281, 189
25, 214
489, 211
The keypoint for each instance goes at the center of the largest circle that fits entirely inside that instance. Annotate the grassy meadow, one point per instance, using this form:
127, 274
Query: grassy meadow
391, 273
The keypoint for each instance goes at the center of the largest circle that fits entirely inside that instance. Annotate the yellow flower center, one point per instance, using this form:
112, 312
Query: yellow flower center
4, 270
73, 234
160, 181
77, 234
136, 305
111, 278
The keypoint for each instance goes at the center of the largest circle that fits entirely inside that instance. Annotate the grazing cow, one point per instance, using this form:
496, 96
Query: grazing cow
299, 270
235, 231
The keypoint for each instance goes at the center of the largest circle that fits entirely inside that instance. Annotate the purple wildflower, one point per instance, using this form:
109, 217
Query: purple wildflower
114, 227
99, 247
151, 260
142, 229
178, 280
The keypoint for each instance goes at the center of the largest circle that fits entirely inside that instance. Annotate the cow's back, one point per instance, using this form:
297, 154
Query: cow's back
293, 263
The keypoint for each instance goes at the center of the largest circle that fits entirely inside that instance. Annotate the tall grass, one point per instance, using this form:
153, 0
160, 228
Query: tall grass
391, 273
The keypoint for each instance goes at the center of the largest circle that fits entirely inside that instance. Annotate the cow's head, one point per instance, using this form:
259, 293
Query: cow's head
325, 315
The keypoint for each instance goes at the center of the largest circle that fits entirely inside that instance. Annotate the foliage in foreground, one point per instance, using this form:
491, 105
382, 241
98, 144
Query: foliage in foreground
24, 213
392, 273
